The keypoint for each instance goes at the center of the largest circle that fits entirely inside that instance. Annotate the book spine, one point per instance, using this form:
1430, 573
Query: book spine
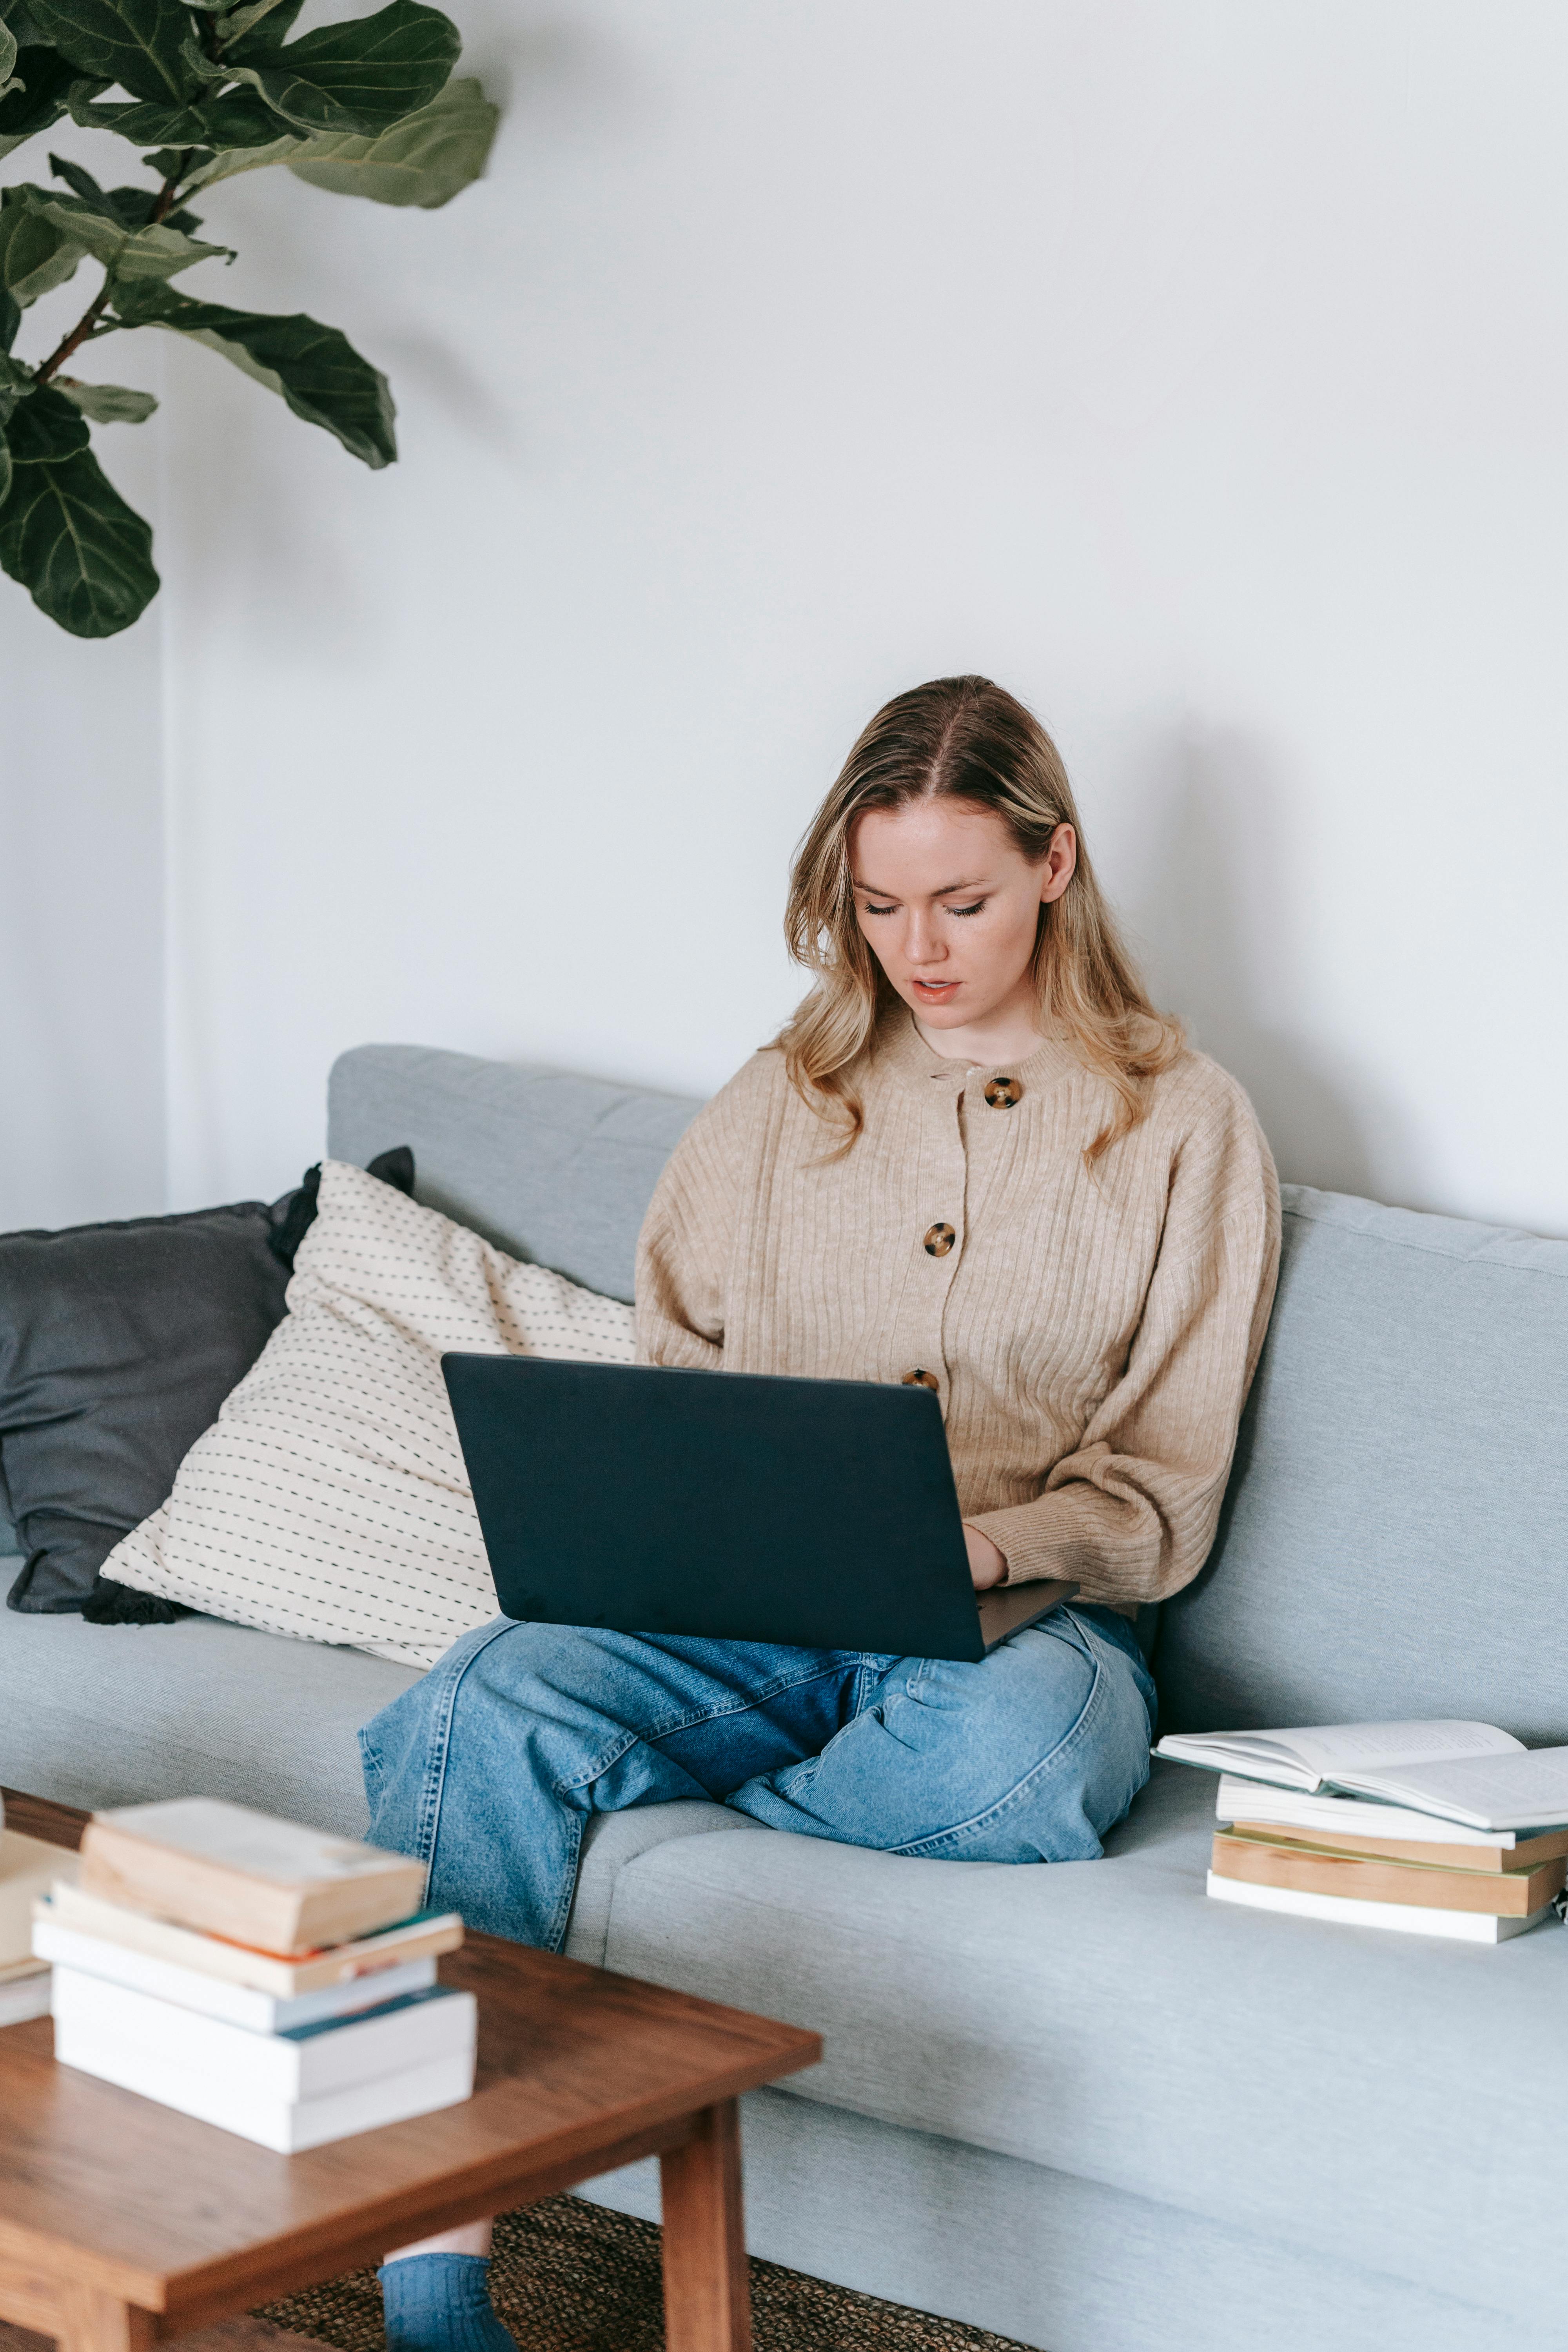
287, 2126
1348, 1838
217, 1996
426, 1936
1508, 1894
306, 2062
1349, 1911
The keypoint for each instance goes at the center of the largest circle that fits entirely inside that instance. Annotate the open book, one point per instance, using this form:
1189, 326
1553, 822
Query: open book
1469, 1772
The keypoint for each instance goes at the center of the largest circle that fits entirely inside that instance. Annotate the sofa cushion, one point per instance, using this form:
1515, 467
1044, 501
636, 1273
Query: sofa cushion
95, 1717
549, 1165
118, 1344
1394, 1540
330, 1499
1388, 2100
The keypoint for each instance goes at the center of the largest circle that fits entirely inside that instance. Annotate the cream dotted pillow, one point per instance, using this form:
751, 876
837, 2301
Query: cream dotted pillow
329, 1500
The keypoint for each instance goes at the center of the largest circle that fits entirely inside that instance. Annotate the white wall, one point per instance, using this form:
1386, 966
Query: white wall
82, 1110
1198, 368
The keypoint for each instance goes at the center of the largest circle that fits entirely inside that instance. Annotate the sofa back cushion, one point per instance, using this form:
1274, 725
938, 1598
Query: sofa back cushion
548, 1166
1395, 1541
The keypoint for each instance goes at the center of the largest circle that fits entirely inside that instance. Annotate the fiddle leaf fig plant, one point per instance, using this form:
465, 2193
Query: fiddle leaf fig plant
366, 108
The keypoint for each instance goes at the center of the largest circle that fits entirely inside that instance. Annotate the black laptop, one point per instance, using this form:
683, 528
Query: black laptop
738, 1505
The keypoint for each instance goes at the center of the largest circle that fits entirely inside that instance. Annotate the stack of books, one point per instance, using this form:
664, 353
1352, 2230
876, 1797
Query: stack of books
27, 1867
260, 1976
1437, 1829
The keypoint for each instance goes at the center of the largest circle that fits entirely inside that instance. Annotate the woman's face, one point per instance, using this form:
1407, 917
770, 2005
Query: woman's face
952, 905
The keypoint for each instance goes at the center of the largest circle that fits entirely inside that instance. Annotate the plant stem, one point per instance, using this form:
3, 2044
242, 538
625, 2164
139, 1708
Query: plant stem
96, 309
78, 335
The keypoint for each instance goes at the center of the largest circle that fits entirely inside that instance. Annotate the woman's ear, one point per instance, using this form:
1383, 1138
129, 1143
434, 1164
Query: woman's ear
1059, 865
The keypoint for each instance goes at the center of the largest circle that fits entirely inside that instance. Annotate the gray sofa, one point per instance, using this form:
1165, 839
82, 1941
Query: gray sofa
1081, 2106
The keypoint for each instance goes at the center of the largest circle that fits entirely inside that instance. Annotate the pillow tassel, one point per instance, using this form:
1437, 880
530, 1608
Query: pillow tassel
116, 1604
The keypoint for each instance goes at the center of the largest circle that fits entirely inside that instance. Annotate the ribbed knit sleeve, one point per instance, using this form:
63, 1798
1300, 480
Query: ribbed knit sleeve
1130, 1513
684, 1249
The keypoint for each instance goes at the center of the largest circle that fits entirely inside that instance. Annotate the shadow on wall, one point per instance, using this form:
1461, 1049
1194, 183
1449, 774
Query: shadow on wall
1216, 930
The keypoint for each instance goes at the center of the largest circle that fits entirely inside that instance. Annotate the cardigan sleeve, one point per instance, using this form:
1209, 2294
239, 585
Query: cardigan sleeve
1130, 1512
688, 1234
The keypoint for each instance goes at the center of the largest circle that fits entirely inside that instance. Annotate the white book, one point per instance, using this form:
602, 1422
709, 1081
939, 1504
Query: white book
236, 2005
27, 1867
1318, 1755
287, 2125
307, 2062
1254, 1800
1526, 1788
1355, 1911
21, 1997
420, 1938
232, 1871
1468, 1772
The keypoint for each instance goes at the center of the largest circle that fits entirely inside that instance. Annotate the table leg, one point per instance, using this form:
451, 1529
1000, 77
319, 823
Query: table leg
707, 2293
91, 2321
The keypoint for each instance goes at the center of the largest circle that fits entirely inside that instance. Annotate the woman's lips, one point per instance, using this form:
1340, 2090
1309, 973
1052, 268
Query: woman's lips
936, 987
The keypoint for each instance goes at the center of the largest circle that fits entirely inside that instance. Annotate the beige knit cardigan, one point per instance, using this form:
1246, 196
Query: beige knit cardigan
1091, 1333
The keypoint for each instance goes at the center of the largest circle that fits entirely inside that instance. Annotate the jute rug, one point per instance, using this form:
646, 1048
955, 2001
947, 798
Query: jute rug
568, 2276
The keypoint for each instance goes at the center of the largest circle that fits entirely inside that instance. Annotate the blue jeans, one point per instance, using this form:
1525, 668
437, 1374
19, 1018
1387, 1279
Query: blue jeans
489, 1768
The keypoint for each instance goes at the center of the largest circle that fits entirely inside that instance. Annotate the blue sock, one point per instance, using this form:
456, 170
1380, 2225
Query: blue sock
441, 2303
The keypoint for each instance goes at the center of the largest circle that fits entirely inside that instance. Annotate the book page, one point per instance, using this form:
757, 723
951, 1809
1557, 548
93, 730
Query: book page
1527, 1789
1335, 1751
1304, 1757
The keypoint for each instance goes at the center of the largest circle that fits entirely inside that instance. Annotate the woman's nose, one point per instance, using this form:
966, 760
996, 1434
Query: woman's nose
925, 944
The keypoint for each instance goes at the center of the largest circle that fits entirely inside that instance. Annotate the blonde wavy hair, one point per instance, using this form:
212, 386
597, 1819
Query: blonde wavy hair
965, 739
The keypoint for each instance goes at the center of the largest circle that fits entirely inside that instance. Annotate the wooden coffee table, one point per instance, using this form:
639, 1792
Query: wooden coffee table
122, 2223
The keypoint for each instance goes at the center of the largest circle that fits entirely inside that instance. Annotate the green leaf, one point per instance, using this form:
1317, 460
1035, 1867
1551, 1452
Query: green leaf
127, 254
15, 383
169, 160
236, 118
81, 184
5, 467
246, 34
232, 161
127, 207
314, 368
146, 45
106, 404
46, 78
10, 318
17, 16
7, 59
424, 160
142, 121
36, 253
362, 76
65, 531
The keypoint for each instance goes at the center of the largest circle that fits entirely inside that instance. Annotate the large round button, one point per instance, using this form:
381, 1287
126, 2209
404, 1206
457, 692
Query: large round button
921, 1379
1002, 1093
939, 1240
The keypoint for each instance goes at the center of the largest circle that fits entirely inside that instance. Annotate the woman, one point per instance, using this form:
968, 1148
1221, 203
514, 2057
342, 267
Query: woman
977, 1158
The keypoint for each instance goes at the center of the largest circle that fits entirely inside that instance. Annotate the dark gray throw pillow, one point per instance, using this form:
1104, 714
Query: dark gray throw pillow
118, 1344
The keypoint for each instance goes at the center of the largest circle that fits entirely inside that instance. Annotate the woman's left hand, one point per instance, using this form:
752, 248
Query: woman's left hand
987, 1565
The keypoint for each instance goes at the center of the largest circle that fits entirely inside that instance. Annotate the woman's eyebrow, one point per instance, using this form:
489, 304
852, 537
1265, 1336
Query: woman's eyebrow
946, 890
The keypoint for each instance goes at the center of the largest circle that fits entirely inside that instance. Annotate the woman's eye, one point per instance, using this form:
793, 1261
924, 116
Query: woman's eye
973, 910
875, 910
